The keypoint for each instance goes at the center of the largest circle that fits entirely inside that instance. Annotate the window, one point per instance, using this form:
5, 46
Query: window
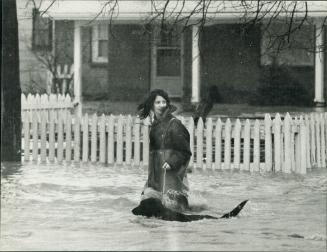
100, 43
42, 32
168, 62
168, 53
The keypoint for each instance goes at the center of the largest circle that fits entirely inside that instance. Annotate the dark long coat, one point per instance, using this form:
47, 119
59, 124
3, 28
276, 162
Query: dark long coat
169, 142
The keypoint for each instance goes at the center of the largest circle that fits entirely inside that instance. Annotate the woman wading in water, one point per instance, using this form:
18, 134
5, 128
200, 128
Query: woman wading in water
169, 151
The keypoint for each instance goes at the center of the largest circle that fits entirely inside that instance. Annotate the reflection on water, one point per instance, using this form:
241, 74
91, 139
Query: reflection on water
88, 207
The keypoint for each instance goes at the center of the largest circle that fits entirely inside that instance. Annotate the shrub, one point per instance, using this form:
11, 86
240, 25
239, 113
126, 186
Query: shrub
278, 87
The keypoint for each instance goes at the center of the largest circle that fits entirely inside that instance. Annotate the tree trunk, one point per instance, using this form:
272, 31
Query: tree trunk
10, 85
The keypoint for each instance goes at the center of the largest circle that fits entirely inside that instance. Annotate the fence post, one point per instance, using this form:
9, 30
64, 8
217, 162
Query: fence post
28, 107
318, 139
111, 146
61, 100
77, 139
60, 149
306, 121
26, 137
68, 105
277, 143
308, 144
287, 146
256, 146
237, 144
209, 144
43, 137
68, 138
94, 130
120, 140
44, 104
227, 153
268, 143
303, 147
296, 159
52, 104
52, 137
85, 129
31, 104
136, 129
37, 103
313, 140
199, 144
102, 136
128, 140
218, 144
246, 153
35, 136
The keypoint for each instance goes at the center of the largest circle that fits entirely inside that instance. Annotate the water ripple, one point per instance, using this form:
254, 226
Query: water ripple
89, 207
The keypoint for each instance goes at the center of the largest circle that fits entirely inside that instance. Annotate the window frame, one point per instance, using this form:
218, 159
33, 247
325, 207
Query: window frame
175, 46
95, 44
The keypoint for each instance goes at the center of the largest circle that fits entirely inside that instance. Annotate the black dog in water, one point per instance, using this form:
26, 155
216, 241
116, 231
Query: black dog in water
153, 207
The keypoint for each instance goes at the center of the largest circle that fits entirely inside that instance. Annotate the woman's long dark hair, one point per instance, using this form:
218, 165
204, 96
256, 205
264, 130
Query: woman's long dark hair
145, 107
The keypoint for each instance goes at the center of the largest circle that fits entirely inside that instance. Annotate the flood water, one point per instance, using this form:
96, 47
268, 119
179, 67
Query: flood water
88, 207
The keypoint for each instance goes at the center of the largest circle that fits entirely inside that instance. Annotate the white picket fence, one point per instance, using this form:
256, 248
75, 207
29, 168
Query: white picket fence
288, 145
57, 104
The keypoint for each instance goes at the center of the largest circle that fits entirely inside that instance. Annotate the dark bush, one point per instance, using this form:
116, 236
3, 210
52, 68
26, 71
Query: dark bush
278, 87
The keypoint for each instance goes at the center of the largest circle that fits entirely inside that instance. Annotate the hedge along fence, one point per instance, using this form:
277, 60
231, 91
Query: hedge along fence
288, 145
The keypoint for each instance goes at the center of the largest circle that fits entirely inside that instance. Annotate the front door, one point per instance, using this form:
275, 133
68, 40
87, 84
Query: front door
167, 61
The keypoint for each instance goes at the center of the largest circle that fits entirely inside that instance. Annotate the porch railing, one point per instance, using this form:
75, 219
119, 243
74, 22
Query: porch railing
60, 81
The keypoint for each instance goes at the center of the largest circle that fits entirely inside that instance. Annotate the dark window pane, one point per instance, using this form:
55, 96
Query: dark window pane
169, 39
42, 32
168, 62
168, 36
103, 48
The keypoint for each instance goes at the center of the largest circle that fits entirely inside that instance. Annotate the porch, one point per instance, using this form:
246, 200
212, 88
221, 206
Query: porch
140, 79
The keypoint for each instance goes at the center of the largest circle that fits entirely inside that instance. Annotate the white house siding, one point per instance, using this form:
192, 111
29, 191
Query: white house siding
32, 72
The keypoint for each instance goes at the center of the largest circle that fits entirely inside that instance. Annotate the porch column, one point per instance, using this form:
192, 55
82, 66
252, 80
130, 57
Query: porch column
77, 69
53, 52
319, 99
195, 65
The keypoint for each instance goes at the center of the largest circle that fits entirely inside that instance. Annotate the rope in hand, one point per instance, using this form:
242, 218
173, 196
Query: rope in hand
163, 183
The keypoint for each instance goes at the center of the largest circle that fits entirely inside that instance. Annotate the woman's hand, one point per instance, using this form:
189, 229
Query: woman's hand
166, 166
